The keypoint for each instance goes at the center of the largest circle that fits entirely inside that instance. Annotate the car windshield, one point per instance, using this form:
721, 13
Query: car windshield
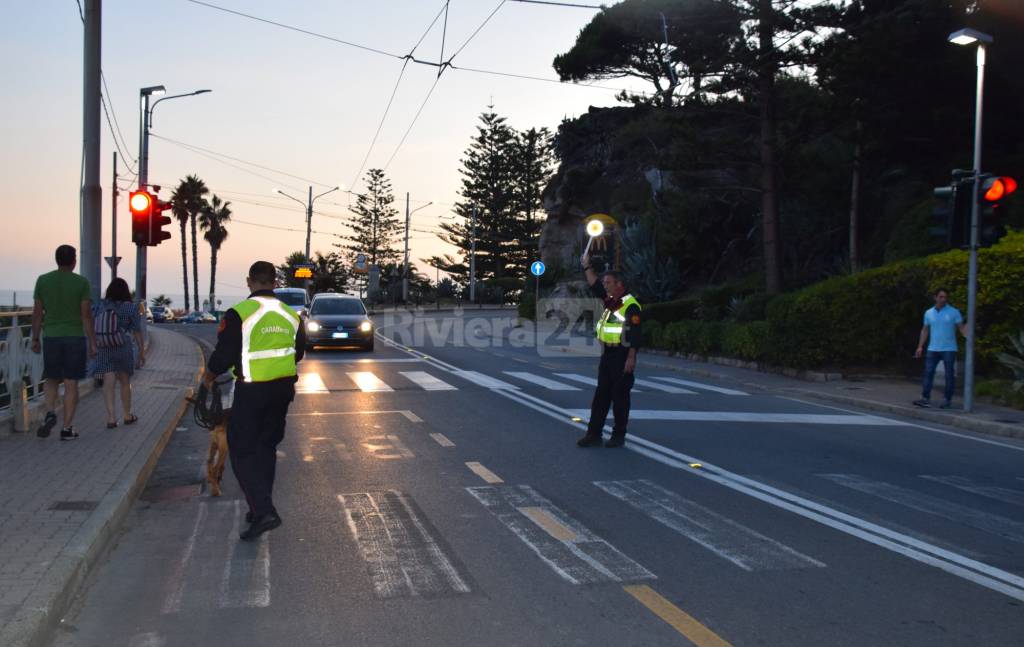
292, 298
337, 307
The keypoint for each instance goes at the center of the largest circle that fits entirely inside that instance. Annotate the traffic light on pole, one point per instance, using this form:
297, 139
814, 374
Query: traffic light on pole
140, 203
992, 193
157, 221
952, 214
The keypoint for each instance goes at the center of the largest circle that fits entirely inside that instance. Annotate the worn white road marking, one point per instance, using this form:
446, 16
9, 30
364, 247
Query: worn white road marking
1001, 526
387, 447
343, 452
348, 360
701, 385
484, 380
753, 416
402, 557
368, 382
487, 475
310, 382
245, 581
427, 382
148, 639
589, 381
663, 387
1005, 494
732, 541
412, 417
549, 384
571, 550
442, 440
175, 587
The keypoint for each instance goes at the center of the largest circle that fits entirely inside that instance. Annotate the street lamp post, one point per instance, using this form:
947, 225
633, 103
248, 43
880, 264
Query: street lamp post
970, 37
145, 122
309, 217
405, 265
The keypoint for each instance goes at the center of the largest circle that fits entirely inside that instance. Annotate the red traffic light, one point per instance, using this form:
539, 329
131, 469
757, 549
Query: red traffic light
140, 202
997, 188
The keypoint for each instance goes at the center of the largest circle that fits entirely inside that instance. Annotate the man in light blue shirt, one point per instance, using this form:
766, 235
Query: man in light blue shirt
939, 332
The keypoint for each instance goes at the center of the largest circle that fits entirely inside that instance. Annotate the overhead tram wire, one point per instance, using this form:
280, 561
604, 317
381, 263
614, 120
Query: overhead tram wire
394, 91
561, 4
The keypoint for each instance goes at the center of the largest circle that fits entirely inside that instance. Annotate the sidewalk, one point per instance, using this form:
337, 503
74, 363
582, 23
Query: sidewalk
62, 502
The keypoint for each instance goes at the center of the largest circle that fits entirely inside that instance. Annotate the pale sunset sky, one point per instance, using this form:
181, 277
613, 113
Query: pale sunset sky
300, 105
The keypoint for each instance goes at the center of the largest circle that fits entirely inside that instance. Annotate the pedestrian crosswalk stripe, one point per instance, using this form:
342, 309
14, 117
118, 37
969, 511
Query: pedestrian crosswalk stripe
442, 440
994, 524
245, 581
583, 379
701, 385
663, 387
1007, 495
485, 381
541, 381
730, 540
402, 557
571, 550
368, 382
427, 382
175, 588
753, 416
310, 383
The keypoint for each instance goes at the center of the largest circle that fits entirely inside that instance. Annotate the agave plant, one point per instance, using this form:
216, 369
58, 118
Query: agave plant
1015, 362
650, 278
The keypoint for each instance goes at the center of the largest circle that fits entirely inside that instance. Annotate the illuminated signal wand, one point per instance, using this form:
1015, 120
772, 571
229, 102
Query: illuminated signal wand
594, 229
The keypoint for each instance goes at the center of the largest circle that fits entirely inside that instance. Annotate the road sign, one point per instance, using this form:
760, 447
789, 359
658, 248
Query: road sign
112, 261
302, 271
360, 265
537, 268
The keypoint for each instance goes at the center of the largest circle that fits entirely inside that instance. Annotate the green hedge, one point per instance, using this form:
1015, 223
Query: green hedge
868, 319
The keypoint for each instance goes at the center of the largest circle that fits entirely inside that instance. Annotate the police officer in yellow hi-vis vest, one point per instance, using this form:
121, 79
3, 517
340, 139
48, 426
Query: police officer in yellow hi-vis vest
260, 340
618, 332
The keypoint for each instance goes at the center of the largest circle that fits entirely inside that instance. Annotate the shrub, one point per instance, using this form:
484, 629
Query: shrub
745, 341
750, 308
670, 311
653, 331
527, 308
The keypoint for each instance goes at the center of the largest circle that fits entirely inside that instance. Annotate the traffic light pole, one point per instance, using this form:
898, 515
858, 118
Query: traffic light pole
972, 271
91, 256
140, 250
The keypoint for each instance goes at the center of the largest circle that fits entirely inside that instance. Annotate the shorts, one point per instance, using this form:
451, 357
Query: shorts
64, 358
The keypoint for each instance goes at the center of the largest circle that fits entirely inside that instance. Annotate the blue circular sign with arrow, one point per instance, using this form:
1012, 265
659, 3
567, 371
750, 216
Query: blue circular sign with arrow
537, 268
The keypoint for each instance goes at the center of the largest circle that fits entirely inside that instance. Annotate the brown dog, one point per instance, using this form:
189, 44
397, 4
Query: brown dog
216, 456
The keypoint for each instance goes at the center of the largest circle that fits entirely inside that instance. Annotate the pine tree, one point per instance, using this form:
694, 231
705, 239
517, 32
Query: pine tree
533, 159
375, 227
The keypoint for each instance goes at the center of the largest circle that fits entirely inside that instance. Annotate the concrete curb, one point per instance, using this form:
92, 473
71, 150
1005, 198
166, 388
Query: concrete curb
43, 610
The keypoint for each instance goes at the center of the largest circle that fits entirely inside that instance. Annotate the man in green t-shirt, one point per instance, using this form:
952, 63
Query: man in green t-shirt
62, 312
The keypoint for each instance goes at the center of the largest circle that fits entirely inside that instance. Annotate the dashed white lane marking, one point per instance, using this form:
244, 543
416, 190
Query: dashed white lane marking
175, 587
549, 384
571, 550
487, 475
368, 382
994, 524
442, 440
1006, 495
402, 557
310, 382
753, 416
663, 387
732, 541
148, 639
427, 382
484, 380
701, 385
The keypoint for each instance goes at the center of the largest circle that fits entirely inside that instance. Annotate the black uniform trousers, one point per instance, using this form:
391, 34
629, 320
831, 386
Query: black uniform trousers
255, 428
613, 387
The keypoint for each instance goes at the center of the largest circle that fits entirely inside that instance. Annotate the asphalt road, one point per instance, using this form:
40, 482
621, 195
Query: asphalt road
435, 496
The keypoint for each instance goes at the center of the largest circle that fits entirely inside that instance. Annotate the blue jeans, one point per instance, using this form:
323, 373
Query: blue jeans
931, 362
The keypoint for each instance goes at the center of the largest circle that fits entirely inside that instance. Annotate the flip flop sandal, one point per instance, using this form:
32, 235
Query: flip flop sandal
131, 420
111, 425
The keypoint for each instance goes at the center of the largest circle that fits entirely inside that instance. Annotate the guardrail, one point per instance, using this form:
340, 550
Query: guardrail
21, 370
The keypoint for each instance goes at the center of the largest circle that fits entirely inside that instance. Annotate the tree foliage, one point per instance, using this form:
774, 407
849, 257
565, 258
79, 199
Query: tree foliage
374, 224
187, 201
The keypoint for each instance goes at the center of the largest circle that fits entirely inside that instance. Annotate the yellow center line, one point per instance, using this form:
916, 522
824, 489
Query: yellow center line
549, 523
680, 620
487, 475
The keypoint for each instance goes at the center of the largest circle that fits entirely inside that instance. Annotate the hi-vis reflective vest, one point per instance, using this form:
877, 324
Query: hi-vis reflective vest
609, 327
269, 328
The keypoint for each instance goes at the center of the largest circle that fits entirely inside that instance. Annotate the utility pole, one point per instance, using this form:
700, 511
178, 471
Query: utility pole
91, 226
309, 222
472, 261
113, 259
141, 250
405, 263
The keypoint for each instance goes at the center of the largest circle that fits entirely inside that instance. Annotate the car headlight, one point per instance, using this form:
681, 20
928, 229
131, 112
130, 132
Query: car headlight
366, 326
312, 326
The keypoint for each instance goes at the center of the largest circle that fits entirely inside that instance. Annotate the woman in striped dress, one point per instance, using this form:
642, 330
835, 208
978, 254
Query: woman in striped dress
117, 363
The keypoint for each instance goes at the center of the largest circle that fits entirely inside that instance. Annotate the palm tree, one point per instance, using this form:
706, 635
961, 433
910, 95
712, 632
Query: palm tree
212, 220
186, 203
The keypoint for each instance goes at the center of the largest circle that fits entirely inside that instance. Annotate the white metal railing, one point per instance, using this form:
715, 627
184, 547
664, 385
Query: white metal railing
21, 370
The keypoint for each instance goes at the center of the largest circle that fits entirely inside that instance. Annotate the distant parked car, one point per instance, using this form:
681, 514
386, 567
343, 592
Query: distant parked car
149, 315
162, 314
199, 317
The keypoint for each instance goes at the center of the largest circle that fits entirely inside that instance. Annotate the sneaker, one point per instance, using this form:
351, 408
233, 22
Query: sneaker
68, 433
924, 404
946, 405
260, 525
48, 424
